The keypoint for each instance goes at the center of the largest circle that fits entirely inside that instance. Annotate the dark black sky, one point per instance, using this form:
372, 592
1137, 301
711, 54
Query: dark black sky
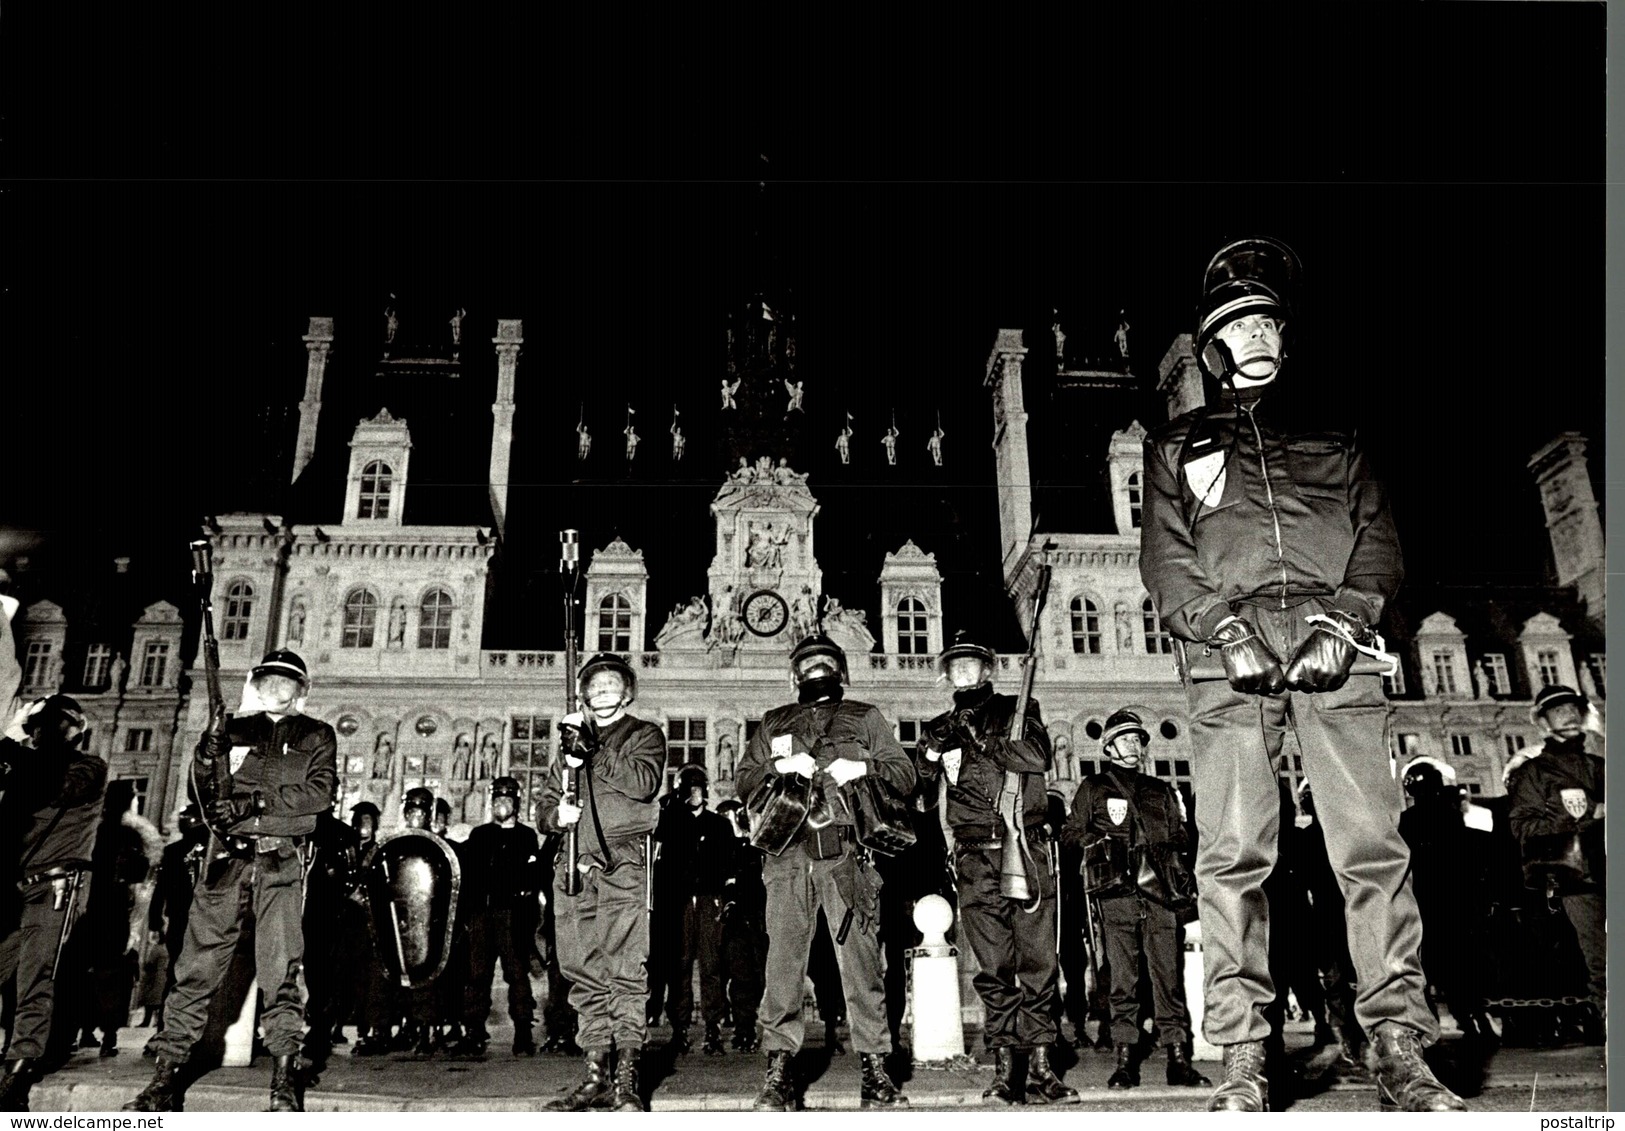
179, 198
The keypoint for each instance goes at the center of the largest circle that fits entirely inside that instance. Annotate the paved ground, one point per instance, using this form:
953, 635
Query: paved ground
1566, 1079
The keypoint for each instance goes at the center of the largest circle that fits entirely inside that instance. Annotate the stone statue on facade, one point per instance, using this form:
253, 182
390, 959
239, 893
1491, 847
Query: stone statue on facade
796, 392
462, 757
457, 329
728, 391
490, 755
383, 758
296, 623
397, 624
392, 324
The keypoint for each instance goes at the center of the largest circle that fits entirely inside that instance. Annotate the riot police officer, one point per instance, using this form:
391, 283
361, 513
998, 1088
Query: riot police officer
283, 773
501, 877
369, 986
1143, 816
1268, 540
453, 981
744, 932
970, 750
1558, 813
421, 1004
53, 800
171, 903
603, 930
831, 741
328, 938
696, 852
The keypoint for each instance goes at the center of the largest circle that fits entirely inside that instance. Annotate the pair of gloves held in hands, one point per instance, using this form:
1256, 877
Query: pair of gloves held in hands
1323, 661
227, 810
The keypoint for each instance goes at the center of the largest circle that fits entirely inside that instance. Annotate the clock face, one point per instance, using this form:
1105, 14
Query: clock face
766, 613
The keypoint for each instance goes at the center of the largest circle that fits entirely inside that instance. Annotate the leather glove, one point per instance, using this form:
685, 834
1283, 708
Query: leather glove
938, 735
1249, 665
578, 735
968, 729
802, 764
229, 810
212, 745
1324, 659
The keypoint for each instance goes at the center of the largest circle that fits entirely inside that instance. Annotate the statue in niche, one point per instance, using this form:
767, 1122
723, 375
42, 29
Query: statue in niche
1063, 757
462, 757
726, 757
756, 546
383, 758
490, 756
116, 672
296, 623
1125, 628
803, 614
397, 623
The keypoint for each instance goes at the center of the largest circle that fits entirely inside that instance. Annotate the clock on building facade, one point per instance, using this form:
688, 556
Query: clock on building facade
766, 613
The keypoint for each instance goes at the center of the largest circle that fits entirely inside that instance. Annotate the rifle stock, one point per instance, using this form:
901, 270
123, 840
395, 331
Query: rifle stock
568, 563
1014, 873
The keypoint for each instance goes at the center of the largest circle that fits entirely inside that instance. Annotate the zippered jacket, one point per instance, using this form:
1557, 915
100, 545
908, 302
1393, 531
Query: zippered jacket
1237, 513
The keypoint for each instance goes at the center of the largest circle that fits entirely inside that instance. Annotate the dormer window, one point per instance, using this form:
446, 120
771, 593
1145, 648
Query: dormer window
98, 667
614, 624
376, 478
239, 607
911, 627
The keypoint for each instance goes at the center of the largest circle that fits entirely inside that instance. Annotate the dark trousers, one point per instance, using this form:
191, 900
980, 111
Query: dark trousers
557, 1013
603, 943
1135, 926
495, 934
701, 941
1585, 912
797, 887
1342, 734
328, 985
269, 889
1017, 977
29, 953
744, 961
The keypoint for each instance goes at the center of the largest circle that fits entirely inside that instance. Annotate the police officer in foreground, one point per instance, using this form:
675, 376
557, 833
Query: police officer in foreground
696, 856
1268, 541
1146, 816
968, 751
831, 741
602, 932
1559, 805
52, 803
283, 773
501, 876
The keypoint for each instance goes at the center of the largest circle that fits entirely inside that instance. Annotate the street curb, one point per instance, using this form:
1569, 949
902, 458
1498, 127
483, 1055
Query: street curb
50, 1096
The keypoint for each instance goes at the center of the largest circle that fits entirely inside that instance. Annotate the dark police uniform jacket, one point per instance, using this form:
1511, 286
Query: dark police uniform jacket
1541, 820
973, 802
1100, 809
52, 805
626, 772
291, 762
1240, 513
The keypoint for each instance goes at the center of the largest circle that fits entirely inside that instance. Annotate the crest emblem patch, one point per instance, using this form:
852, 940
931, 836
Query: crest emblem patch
1205, 476
1575, 801
238, 753
1116, 809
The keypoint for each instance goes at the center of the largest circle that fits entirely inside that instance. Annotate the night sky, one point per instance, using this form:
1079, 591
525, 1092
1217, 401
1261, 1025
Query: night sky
172, 215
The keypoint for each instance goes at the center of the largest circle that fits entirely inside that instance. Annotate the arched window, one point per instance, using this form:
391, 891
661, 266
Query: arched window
911, 630
360, 619
376, 478
239, 604
1085, 627
434, 620
615, 624
1156, 638
1136, 503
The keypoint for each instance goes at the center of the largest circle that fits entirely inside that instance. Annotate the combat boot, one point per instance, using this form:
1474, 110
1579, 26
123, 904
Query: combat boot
713, 1040
284, 1084
679, 1043
627, 1095
1128, 1069
1181, 1073
472, 1044
779, 1088
17, 1082
523, 1043
1042, 1083
1404, 1081
878, 1091
1244, 1087
163, 1093
1009, 1078
593, 1090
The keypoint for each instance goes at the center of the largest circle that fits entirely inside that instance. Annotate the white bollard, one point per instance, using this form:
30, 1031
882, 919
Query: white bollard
1201, 1047
939, 1030
240, 1036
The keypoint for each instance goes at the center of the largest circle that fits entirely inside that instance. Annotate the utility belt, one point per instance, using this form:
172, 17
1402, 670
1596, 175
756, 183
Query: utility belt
248, 847
992, 836
59, 877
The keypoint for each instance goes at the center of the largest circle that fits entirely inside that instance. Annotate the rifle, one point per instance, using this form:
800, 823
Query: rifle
1015, 856
218, 784
569, 572
1093, 940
